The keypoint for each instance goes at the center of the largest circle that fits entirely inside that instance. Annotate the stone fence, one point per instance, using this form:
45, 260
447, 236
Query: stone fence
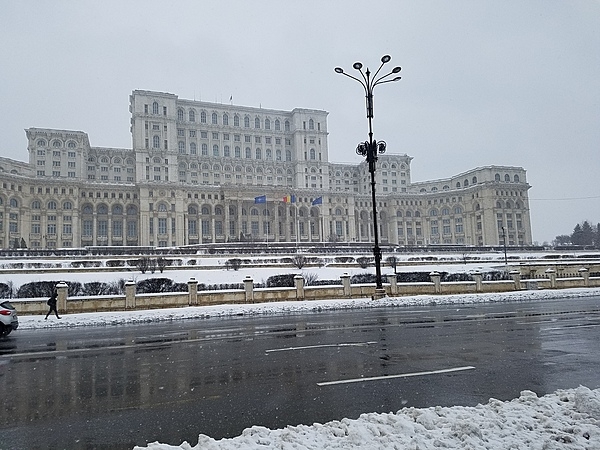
132, 300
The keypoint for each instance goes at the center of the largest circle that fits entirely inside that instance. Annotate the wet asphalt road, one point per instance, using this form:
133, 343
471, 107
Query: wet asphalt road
116, 387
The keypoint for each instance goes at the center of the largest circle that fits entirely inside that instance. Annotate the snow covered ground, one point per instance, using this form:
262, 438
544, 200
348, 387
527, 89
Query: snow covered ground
566, 419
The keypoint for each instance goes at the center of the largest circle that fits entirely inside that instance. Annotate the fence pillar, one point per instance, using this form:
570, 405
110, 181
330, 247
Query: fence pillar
552, 275
516, 276
299, 285
249, 289
193, 291
129, 294
346, 283
62, 290
478, 281
393, 280
436, 278
585, 273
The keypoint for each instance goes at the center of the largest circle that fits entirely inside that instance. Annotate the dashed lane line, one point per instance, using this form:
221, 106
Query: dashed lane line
402, 375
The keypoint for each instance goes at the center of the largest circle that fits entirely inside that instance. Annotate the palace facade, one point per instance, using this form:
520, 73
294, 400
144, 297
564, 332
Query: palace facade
203, 172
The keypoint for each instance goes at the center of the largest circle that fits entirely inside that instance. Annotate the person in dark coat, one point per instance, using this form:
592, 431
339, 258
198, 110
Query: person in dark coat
52, 304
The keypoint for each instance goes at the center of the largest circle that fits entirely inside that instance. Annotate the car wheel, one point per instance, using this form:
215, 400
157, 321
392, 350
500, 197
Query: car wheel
4, 330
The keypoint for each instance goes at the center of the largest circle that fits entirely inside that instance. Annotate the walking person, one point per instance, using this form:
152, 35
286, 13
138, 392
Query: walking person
52, 304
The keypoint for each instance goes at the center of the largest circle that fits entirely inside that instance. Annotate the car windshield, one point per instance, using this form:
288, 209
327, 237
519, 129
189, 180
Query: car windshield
7, 305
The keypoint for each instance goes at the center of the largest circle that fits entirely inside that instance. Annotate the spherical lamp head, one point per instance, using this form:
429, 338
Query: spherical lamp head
386, 59
396, 69
357, 65
339, 70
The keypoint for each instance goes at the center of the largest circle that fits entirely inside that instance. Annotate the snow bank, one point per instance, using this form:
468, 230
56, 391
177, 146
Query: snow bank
565, 419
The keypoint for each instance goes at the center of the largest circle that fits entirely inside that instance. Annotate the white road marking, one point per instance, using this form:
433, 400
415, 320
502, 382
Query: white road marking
402, 375
348, 344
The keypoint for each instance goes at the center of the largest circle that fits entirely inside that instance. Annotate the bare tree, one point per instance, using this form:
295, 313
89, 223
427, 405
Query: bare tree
299, 261
161, 263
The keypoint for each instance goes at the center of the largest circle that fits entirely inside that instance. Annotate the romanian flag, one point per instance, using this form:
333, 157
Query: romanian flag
289, 199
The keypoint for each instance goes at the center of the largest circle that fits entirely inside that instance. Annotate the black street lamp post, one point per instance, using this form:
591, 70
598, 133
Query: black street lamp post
371, 148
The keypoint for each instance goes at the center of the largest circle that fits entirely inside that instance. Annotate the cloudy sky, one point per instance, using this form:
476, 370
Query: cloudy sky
513, 82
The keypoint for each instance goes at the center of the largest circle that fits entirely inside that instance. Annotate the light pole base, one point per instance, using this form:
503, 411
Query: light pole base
379, 293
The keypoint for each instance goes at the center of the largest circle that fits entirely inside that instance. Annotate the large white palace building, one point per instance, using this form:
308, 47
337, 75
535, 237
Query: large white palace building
203, 172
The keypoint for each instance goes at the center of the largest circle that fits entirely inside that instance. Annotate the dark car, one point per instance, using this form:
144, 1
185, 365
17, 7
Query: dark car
8, 318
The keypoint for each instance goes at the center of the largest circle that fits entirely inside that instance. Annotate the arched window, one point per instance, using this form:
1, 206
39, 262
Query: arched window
313, 154
214, 118
203, 116
155, 108
278, 155
417, 214
277, 125
192, 115
51, 204
474, 181
267, 124
181, 146
192, 210
497, 177
87, 209
180, 115
236, 121
248, 153
287, 125
398, 213
36, 204
445, 212
507, 177
117, 210
258, 153
256, 122
215, 150
41, 143
311, 124
498, 205
516, 178
408, 214
131, 210
162, 207
193, 149
56, 144
218, 211
71, 144
268, 154
102, 209
226, 151
465, 183
477, 207
155, 142
225, 119
247, 122
205, 149
458, 210
288, 155
237, 152
433, 212
445, 188
458, 184
156, 160
254, 212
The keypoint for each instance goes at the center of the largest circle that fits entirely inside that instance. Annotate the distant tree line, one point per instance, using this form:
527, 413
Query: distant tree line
584, 234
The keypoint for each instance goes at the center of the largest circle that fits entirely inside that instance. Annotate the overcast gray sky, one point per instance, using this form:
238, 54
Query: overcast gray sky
483, 82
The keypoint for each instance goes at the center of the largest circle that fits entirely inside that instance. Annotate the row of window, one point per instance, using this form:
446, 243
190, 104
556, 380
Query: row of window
56, 143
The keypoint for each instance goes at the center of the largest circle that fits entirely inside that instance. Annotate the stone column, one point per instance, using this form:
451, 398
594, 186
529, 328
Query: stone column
249, 289
516, 276
436, 278
346, 283
585, 273
393, 281
62, 289
130, 294
193, 291
299, 285
478, 281
551, 273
